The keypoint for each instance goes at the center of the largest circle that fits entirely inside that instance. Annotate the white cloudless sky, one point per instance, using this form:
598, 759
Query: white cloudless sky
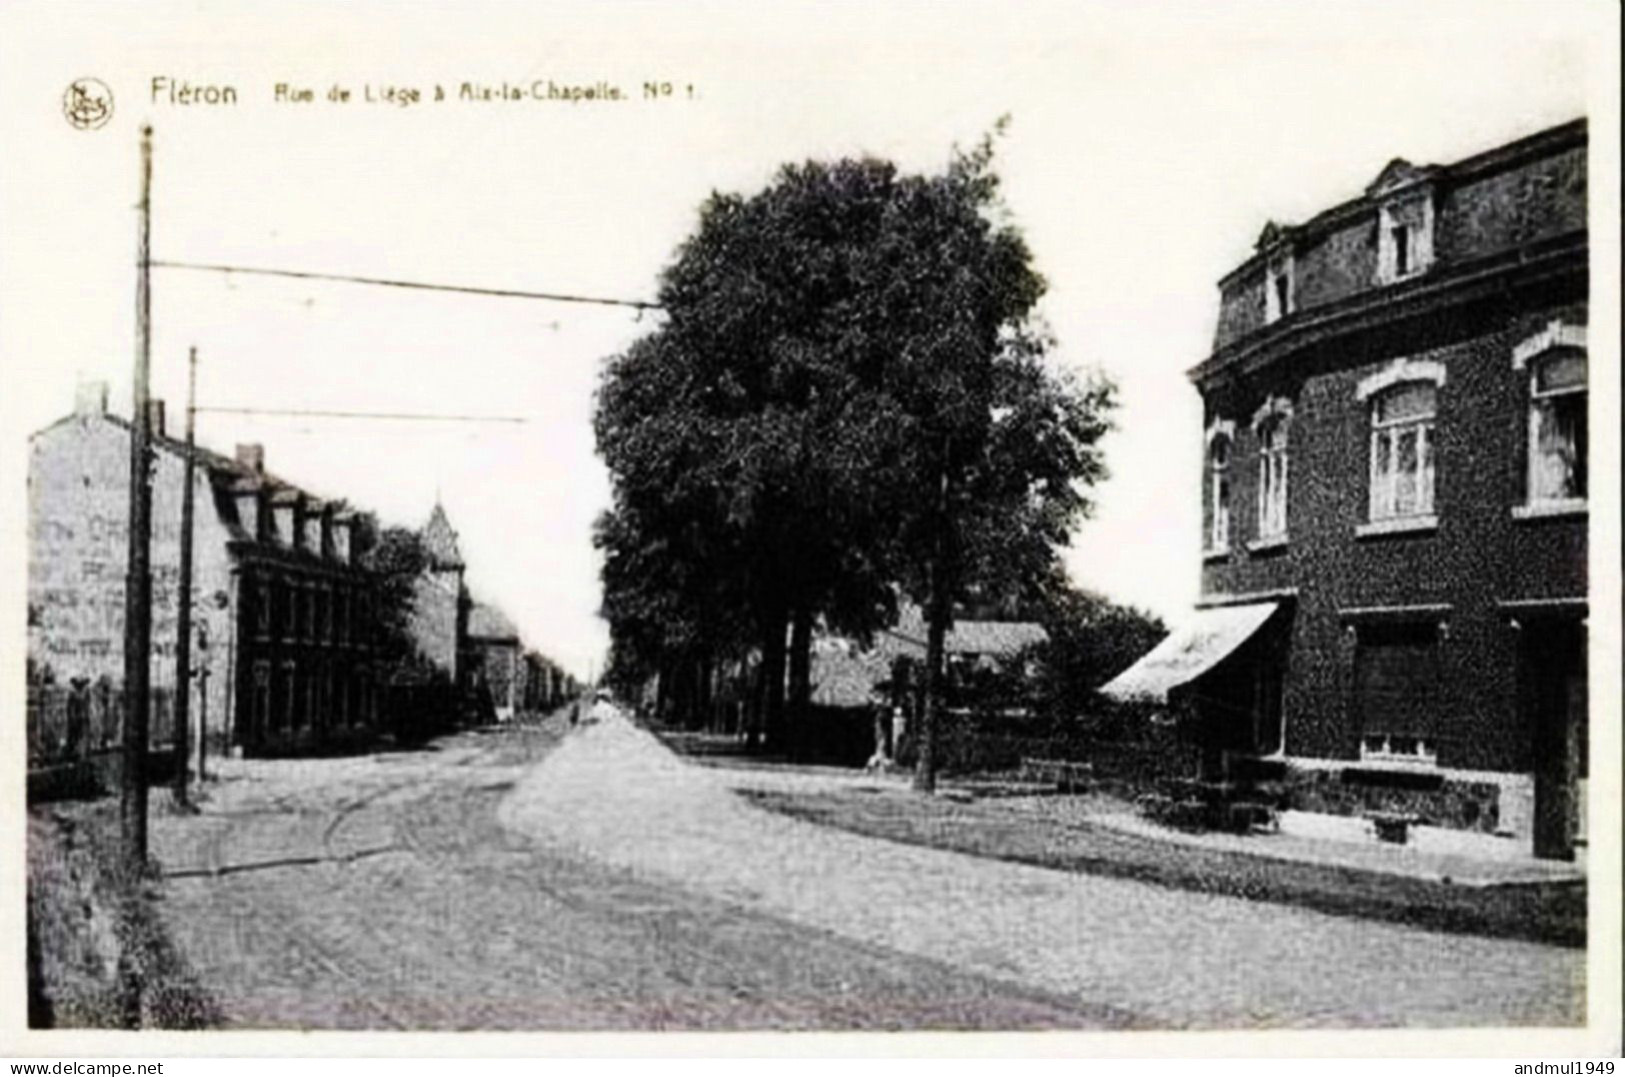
1148, 146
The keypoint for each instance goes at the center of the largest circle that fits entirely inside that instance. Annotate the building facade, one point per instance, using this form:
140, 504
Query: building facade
493, 656
281, 656
1395, 478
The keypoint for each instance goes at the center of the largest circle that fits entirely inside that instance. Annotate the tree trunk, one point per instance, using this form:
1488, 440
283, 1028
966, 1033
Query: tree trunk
938, 611
773, 680
702, 693
662, 688
800, 678
753, 705
936, 634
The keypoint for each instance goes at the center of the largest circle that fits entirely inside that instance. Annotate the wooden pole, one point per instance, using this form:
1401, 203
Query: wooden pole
138, 577
183, 608
202, 720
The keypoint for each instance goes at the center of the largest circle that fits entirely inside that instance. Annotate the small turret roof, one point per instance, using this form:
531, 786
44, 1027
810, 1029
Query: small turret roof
440, 539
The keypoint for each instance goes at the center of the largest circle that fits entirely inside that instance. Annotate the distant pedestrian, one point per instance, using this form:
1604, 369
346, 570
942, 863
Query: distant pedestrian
575, 713
603, 706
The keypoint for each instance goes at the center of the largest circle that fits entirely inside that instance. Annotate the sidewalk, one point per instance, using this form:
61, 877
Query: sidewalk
1457, 869
1408, 861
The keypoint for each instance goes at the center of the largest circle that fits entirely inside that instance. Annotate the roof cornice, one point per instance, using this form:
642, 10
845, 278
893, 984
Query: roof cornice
1553, 140
1443, 287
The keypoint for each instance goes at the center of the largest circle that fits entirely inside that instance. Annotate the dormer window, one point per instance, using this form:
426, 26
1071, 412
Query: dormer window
1278, 289
1405, 238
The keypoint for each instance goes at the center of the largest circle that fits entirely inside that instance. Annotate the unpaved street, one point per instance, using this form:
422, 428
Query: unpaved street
510, 881
380, 892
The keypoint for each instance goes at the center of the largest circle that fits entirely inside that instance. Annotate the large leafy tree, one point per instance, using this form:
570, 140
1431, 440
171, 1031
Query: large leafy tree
849, 394
996, 445
740, 433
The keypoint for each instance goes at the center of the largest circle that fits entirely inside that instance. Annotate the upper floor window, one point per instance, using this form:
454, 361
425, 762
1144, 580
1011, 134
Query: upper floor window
290, 628
1403, 397
1271, 429
1404, 239
1557, 428
1278, 289
1402, 450
1217, 532
1555, 360
262, 610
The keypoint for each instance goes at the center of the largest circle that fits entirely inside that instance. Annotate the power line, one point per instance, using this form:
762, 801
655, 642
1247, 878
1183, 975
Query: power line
392, 415
505, 293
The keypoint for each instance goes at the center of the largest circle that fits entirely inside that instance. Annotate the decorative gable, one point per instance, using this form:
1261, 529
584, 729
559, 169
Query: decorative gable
1398, 175
1273, 235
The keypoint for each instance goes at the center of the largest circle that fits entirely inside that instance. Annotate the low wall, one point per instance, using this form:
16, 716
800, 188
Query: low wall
1436, 798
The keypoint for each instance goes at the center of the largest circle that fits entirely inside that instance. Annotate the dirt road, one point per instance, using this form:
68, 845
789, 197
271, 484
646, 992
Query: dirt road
380, 892
1174, 958
519, 881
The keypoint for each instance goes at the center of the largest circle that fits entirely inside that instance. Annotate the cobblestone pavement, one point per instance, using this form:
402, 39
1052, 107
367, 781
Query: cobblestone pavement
614, 795
380, 892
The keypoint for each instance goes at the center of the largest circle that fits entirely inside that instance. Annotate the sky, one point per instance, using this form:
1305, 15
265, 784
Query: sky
1148, 145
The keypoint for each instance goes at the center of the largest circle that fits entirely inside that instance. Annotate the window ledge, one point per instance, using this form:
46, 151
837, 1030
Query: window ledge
1542, 510
1386, 761
1268, 542
1401, 278
1402, 525
1217, 554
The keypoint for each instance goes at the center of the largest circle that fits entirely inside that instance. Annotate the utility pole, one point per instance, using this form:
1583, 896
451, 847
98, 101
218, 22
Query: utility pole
183, 614
138, 577
203, 711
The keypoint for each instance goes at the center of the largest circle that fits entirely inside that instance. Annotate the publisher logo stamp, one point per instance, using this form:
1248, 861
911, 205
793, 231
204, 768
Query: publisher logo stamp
87, 103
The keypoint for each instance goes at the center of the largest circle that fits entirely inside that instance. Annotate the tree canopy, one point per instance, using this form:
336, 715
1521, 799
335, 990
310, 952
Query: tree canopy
850, 396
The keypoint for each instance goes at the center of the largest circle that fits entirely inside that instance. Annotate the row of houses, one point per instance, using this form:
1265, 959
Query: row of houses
286, 655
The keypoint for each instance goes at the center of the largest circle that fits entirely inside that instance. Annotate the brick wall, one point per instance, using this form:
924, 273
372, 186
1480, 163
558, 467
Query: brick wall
1479, 554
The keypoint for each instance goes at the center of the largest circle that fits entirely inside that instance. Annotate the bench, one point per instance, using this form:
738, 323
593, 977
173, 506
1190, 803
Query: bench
1065, 775
1393, 826
1246, 816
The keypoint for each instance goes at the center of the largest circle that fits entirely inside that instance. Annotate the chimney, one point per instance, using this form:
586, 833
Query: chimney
252, 457
155, 417
90, 400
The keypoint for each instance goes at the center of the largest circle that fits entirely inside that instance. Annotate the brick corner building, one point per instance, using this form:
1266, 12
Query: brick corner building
1394, 562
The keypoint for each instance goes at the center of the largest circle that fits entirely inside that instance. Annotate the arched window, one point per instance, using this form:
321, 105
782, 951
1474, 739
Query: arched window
1402, 450
1270, 427
1218, 514
1557, 427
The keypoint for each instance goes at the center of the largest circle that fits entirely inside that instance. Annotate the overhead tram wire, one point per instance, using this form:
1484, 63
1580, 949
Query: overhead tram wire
639, 305
305, 413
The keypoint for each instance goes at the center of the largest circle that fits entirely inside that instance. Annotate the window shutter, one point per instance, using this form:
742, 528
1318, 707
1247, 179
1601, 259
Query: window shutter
1397, 674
